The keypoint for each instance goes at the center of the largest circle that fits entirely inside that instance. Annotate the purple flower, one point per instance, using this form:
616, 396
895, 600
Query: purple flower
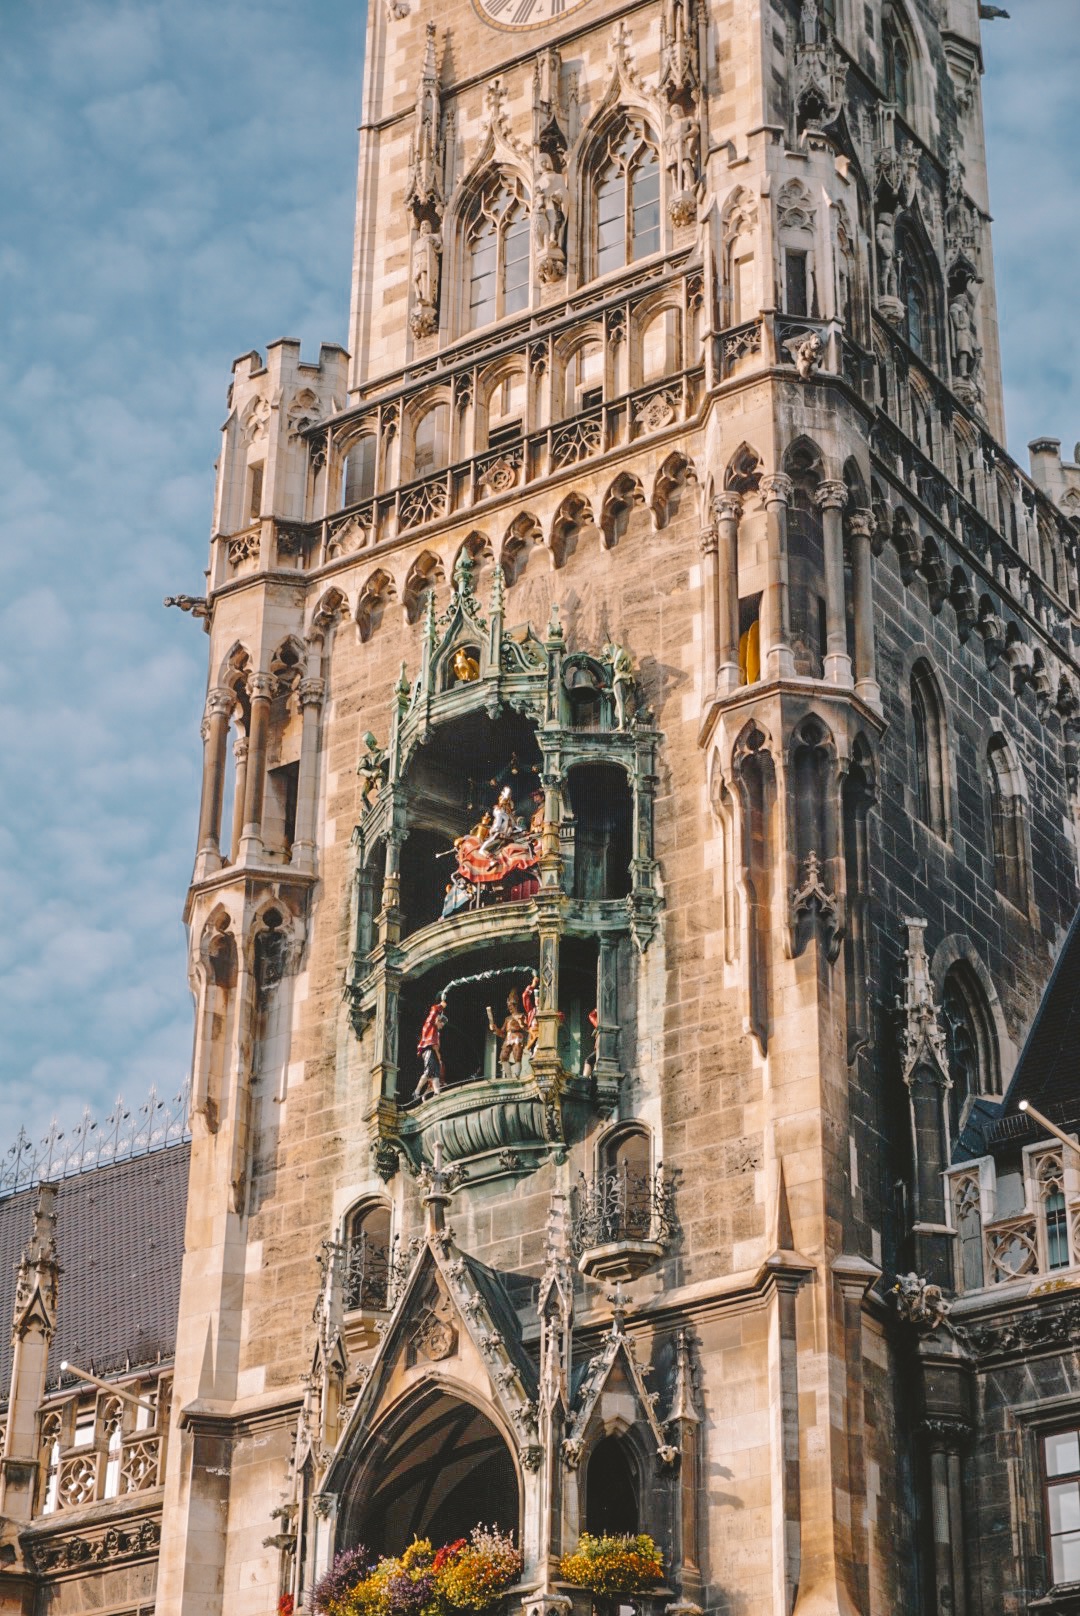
350, 1567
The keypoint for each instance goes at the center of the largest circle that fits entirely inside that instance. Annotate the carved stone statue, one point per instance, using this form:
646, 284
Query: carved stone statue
622, 679
550, 204
885, 236
962, 340
810, 22
807, 354
681, 140
919, 1302
371, 770
426, 258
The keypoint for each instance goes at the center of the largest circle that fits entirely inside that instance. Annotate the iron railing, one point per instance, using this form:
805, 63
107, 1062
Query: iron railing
63, 1152
620, 1205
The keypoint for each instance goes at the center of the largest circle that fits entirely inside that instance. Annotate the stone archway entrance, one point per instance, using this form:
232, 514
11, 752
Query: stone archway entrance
440, 1468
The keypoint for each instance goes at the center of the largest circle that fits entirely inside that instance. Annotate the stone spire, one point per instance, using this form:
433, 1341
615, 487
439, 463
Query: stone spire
33, 1324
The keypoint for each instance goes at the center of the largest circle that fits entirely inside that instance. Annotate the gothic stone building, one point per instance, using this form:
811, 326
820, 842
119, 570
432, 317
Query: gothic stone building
638, 829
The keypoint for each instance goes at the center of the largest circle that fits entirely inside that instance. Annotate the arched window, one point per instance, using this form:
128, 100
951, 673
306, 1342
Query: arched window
1008, 833
611, 1490
1050, 1183
431, 441
367, 1256
627, 199
929, 774
897, 71
358, 472
498, 257
626, 1160
970, 1041
967, 1217
916, 323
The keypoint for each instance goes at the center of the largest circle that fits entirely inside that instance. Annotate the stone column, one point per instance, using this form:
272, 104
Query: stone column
727, 508
215, 731
311, 694
861, 527
832, 497
710, 613
240, 758
261, 689
777, 661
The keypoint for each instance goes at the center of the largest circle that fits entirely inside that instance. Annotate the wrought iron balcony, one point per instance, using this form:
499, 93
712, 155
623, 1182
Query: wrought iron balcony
374, 1272
623, 1222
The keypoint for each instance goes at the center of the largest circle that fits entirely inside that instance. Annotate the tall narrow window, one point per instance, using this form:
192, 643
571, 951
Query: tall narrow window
1007, 823
967, 1214
483, 269
431, 444
255, 492
498, 240
358, 472
970, 1042
627, 201
928, 725
915, 326
516, 263
367, 1257
1061, 1464
1050, 1179
795, 283
897, 71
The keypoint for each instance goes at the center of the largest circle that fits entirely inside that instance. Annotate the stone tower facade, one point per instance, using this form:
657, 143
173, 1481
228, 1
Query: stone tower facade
638, 823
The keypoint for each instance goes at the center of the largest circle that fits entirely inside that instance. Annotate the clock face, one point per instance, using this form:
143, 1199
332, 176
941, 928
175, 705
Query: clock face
525, 13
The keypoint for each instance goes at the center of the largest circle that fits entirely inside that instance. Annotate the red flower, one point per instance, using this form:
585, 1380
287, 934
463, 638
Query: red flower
447, 1552
286, 1605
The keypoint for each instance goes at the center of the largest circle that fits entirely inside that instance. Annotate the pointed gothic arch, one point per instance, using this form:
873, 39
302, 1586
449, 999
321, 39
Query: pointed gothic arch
437, 1464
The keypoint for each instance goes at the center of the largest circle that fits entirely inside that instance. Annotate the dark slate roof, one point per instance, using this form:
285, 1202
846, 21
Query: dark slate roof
1048, 1071
120, 1238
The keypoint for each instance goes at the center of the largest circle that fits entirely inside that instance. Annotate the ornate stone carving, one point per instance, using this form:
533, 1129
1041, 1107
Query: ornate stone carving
426, 266
812, 902
820, 73
104, 1547
918, 1302
550, 209
682, 139
921, 1032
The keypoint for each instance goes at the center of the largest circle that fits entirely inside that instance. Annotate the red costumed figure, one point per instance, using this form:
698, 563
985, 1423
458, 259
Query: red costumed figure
590, 1061
430, 1053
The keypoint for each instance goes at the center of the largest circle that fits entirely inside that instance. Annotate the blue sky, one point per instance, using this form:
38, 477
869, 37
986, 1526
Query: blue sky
178, 190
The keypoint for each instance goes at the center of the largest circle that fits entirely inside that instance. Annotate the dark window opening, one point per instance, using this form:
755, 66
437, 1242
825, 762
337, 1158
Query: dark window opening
601, 805
367, 1258
283, 785
796, 283
592, 398
611, 1502
255, 493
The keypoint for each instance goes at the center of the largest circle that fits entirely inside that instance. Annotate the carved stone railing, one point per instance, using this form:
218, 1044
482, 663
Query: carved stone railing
622, 1222
1012, 1248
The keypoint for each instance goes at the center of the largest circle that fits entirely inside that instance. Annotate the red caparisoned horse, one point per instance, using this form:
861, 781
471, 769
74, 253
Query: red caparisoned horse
512, 863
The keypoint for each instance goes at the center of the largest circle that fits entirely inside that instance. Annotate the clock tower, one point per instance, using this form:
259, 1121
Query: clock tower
638, 819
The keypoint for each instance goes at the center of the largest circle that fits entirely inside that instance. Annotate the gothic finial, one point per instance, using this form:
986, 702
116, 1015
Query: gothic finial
619, 1304
437, 1199
683, 1397
921, 1032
